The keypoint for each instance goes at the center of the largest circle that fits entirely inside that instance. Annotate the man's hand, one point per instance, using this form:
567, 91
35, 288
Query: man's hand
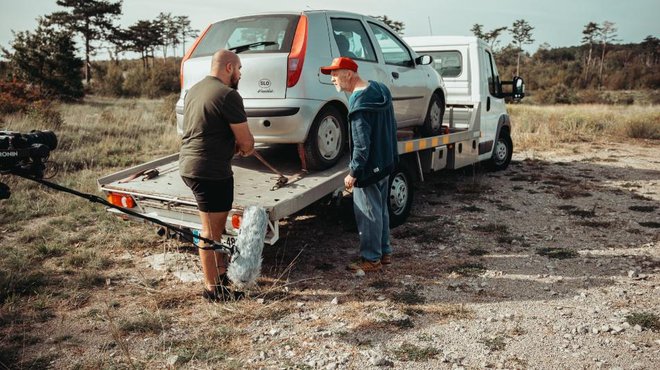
349, 181
246, 153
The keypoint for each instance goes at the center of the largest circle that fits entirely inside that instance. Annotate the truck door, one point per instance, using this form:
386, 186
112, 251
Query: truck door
492, 106
409, 92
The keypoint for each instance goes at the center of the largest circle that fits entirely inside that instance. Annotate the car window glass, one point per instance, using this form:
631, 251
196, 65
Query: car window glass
394, 51
352, 40
448, 63
246, 30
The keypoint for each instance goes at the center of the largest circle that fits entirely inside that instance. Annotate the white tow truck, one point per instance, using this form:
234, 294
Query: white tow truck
476, 128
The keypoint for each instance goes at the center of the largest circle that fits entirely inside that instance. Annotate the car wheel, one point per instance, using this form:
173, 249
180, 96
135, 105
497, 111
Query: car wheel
433, 122
502, 152
326, 141
400, 195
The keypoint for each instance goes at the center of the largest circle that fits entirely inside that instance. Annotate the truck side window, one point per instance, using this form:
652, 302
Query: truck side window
448, 63
352, 40
394, 52
492, 75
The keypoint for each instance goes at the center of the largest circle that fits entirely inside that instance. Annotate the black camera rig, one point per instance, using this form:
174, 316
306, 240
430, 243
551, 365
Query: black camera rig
24, 154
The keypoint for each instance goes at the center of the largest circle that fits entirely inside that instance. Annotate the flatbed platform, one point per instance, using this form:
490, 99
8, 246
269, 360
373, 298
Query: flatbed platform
253, 182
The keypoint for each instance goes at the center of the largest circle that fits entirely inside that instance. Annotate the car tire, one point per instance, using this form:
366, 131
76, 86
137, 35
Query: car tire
400, 195
327, 139
502, 152
433, 122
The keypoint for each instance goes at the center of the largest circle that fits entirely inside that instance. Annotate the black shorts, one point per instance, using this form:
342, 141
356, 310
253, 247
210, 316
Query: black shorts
212, 196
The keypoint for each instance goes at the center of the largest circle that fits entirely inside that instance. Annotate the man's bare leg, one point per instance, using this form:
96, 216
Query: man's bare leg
214, 263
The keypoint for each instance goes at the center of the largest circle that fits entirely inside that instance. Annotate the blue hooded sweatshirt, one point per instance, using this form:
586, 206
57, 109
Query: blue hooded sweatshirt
372, 134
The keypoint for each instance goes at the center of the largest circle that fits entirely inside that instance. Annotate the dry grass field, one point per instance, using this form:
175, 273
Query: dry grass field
552, 263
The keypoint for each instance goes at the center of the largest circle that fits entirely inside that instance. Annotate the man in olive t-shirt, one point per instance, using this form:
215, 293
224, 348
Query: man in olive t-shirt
215, 129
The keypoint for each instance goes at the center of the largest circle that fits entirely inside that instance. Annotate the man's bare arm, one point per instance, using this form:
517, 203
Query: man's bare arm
244, 138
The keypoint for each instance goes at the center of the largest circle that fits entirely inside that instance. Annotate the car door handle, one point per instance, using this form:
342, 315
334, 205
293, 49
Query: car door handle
395, 74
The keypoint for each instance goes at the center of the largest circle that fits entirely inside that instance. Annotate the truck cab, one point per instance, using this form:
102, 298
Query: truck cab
468, 68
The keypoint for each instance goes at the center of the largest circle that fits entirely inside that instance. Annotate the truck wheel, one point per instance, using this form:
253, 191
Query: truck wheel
502, 152
433, 122
400, 195
326, 141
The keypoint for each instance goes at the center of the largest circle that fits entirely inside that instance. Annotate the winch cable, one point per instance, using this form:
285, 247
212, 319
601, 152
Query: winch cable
215, 246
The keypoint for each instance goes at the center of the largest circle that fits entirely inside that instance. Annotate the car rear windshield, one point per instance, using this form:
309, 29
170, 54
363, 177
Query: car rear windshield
275, 31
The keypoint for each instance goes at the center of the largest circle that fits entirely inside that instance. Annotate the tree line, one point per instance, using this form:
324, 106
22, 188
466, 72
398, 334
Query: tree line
47, 55
558, 74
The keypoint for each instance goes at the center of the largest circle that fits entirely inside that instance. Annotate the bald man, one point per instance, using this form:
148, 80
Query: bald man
216, 128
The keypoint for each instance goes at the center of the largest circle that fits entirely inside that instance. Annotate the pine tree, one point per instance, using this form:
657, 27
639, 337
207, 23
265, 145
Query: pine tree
522, 34
91, 19
478, 30
396, 26
185, 31
590, 32
47, 58
607, 35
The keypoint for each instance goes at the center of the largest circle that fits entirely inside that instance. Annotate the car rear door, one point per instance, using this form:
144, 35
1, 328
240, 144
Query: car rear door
349, 38
408, 84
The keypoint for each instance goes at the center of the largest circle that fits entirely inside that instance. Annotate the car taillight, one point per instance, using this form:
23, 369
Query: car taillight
190, 51
121, 200
297, 54
236, 221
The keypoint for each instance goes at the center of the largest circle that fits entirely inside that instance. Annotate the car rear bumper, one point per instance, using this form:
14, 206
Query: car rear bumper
282, 121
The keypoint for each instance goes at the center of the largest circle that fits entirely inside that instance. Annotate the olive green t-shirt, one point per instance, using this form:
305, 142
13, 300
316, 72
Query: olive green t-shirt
208, 142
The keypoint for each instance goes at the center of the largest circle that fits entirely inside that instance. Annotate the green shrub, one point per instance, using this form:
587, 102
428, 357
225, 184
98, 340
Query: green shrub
557, 94
134, 82
642, 129
16, 96
163, 80
45, 115
109, 80
160, 80
167, 111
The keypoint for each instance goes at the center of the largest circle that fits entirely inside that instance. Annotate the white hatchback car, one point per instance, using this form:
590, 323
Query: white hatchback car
288, 100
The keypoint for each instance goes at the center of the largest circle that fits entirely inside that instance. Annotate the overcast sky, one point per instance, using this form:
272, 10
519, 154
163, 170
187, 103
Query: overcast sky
556, 22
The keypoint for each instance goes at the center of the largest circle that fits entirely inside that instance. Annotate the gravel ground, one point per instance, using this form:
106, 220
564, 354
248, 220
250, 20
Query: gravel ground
543, 265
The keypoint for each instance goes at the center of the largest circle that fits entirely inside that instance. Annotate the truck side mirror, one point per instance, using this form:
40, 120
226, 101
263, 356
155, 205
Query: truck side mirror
517, 89
424, 60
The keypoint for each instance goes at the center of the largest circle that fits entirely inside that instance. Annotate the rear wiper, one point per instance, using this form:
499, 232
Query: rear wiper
242, 48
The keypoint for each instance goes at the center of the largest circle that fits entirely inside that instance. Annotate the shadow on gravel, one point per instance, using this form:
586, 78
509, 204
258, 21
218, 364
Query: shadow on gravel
509, 224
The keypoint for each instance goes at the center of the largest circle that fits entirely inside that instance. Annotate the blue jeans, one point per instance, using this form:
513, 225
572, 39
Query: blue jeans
373, 219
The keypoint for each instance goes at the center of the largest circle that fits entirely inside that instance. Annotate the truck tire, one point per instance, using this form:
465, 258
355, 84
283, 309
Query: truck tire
502, 152
433, 121
400, 195
326, 141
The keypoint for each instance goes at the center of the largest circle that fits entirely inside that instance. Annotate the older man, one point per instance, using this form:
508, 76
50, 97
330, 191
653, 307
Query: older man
373, 157
215, 129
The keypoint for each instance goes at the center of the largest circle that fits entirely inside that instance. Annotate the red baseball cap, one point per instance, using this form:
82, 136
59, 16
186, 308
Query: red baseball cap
340, 63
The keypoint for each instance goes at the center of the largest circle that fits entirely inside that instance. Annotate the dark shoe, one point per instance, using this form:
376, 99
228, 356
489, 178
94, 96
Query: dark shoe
364, 265
386, 259
223, 292
219, 294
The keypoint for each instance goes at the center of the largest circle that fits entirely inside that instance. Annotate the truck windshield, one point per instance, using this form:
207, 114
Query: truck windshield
274, 31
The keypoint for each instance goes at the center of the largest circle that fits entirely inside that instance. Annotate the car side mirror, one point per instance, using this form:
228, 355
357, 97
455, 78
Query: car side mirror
517, 89
424, 60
